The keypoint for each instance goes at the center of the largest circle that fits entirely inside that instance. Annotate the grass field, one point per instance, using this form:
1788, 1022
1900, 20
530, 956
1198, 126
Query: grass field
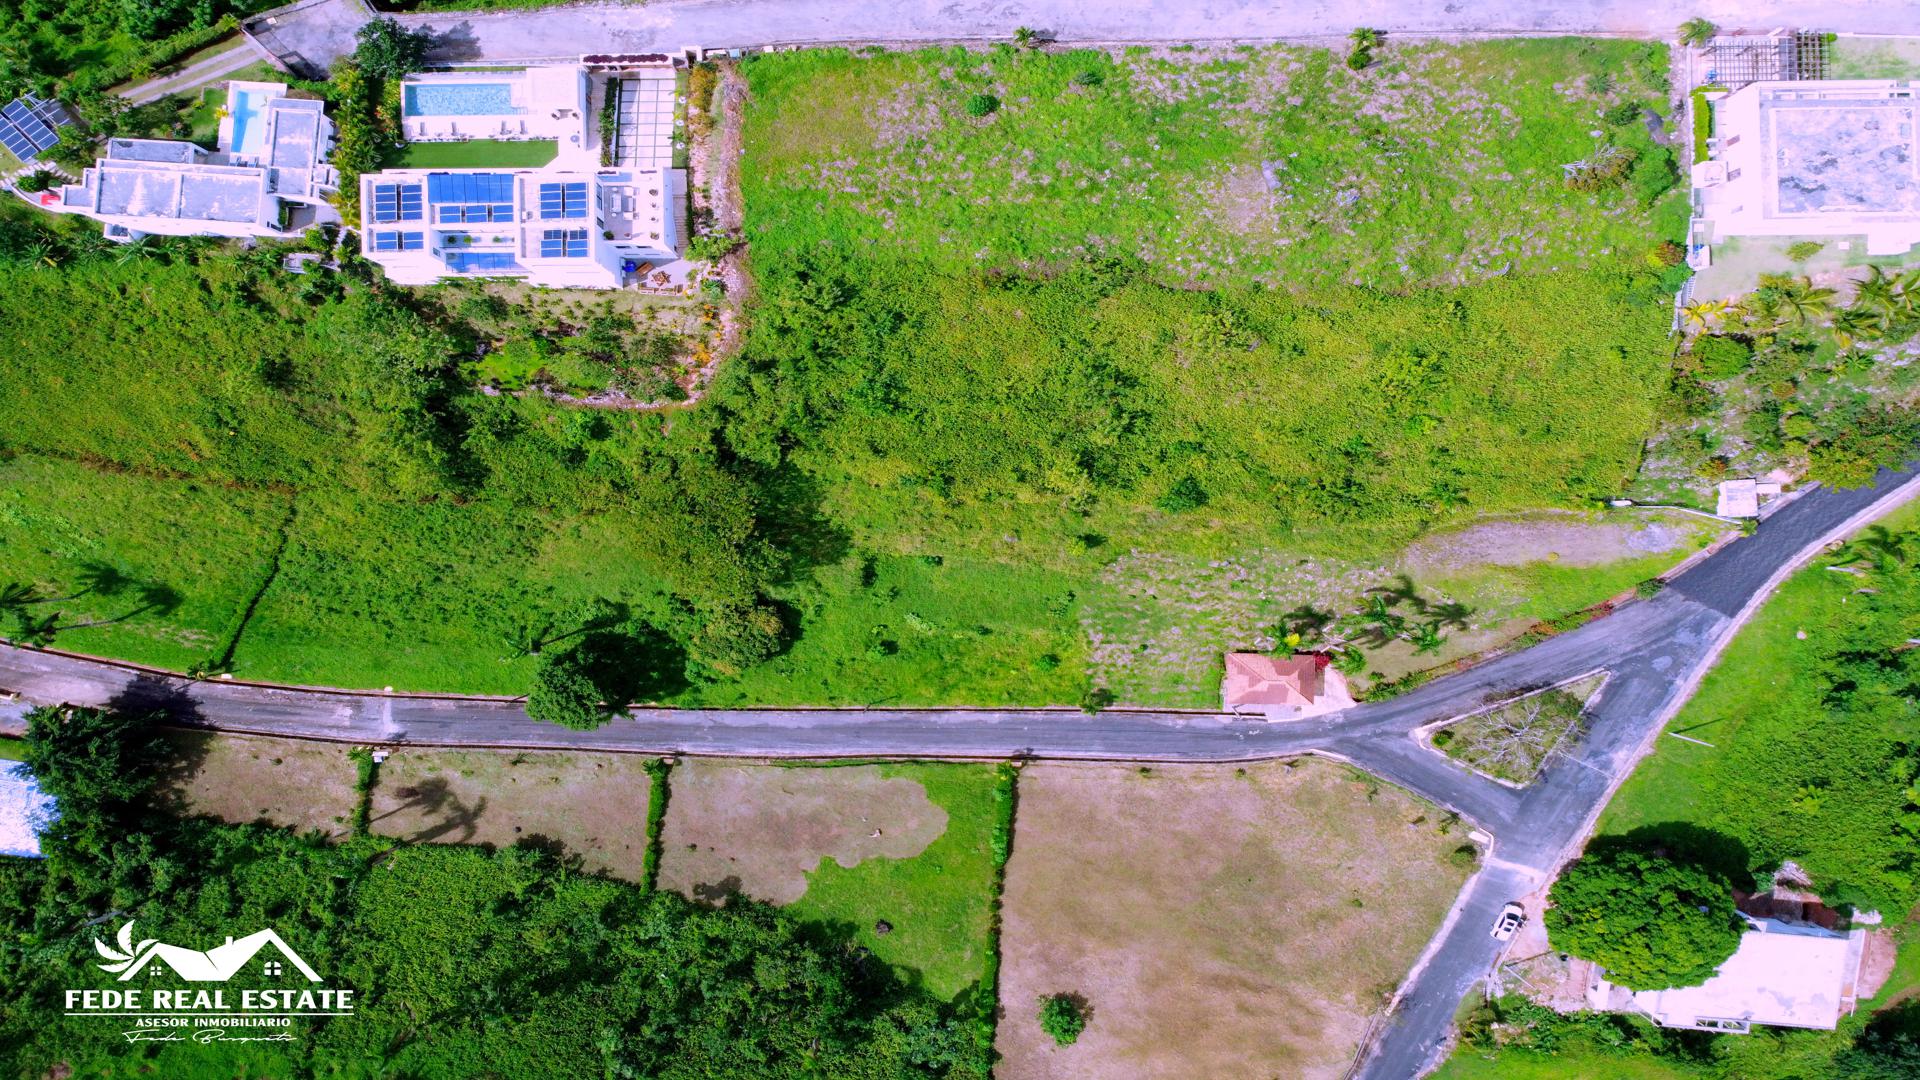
1566, 1065
1438, 165
1195, 911
152, 571
851, 846
10, 749
590, 806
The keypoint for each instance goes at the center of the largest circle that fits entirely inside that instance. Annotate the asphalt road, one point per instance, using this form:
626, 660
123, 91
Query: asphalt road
321, 31
1654, 651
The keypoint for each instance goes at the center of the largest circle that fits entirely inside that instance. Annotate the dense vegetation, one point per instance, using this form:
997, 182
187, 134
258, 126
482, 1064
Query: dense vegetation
1650, 921
465, 963
60, 45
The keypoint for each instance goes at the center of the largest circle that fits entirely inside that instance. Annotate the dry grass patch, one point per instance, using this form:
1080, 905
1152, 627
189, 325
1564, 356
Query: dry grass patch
1218, 921
1512, 741
593, 805
760, 830
243, 778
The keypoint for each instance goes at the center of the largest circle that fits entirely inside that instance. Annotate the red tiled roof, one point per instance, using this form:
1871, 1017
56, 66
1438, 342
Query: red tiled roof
1256, 679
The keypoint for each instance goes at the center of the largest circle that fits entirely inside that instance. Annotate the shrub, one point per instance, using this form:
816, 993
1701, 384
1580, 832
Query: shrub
1649, 588
1666, 253
1721, 357
1185, 494
1802, 250
1627, 112
1651, 922
712, 247
1062, 1018
1607, 168
1089, 77
982, 105
37, 181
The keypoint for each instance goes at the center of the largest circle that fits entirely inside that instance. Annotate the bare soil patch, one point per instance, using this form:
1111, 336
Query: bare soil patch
591, 805
1218, 921
1516, 543
245, 778
759, 829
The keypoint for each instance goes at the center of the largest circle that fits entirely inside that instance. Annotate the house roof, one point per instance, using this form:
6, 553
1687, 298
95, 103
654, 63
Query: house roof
1256, 679
1781, 974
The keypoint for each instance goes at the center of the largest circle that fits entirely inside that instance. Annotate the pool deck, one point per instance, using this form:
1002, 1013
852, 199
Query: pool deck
231, 132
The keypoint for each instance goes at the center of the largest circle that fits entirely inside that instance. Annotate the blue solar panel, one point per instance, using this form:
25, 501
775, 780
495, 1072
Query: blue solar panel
467, 262
396, 202
567, 200
563, 243
470, 187
399, 241
27, 126
461, 213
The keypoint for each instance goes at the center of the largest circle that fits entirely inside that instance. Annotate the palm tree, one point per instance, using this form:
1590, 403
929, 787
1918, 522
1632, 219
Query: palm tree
1876, 293
1701, 312
1852, 325
1364, 37
1696, 32
1803, 302
1909, 284
1425, 638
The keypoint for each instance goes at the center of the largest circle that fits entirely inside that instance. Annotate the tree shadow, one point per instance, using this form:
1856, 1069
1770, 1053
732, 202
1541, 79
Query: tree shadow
792, 522
173, 762
1686, 842
453, 821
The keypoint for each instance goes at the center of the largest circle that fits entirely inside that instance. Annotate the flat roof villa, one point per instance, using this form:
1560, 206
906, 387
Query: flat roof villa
571, 223
269, 177
562, 228
1825, 158
1784, 974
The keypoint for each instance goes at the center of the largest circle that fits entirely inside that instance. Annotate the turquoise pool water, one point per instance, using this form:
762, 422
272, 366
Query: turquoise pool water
460, 99
249, 109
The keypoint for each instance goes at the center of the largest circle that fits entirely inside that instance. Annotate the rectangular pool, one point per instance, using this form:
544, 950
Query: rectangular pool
460, 99
248, 109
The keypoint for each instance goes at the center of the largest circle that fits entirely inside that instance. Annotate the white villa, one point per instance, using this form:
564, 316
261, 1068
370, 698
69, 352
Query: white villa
570, 223
269, 177
1828, 158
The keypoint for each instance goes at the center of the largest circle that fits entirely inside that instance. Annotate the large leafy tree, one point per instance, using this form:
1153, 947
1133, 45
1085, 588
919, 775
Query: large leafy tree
1650, 921
388, 50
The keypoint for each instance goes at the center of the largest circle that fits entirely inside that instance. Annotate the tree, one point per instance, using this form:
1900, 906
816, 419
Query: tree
1063, 1018
734, 638
1803, 302
565, 693
388, 50
1696, 32
1650, 922
1026, 37
1699, 313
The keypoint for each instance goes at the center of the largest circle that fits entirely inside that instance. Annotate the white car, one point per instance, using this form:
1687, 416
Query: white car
1511, 917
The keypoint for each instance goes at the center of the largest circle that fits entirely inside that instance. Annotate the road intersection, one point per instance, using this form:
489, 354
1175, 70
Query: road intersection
1655, 651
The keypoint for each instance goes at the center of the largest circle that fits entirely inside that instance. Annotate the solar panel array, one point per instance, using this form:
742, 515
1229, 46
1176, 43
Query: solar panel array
398, 241
396, 202
563, 243
567, 200
467, 262
27, 126
471, 197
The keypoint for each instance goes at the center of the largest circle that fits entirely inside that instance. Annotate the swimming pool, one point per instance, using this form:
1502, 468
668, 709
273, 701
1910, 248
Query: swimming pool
460, 99
249, 109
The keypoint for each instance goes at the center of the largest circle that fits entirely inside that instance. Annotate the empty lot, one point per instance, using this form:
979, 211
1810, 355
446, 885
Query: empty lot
1217, 921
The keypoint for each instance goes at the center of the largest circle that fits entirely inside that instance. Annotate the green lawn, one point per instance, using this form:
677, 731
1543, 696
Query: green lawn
477, 154
939, 901
11, 749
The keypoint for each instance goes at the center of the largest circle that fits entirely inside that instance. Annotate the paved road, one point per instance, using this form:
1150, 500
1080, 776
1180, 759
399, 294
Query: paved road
1654, 652
196, 75
322, 30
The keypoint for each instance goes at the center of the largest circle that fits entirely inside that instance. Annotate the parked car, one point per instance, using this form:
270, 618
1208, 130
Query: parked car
1511, 918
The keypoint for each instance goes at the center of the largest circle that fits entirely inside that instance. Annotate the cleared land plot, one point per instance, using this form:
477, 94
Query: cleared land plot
1218, 921
1513, 740
243, 778
151, 571
1158, 622
592, 805
857, 845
